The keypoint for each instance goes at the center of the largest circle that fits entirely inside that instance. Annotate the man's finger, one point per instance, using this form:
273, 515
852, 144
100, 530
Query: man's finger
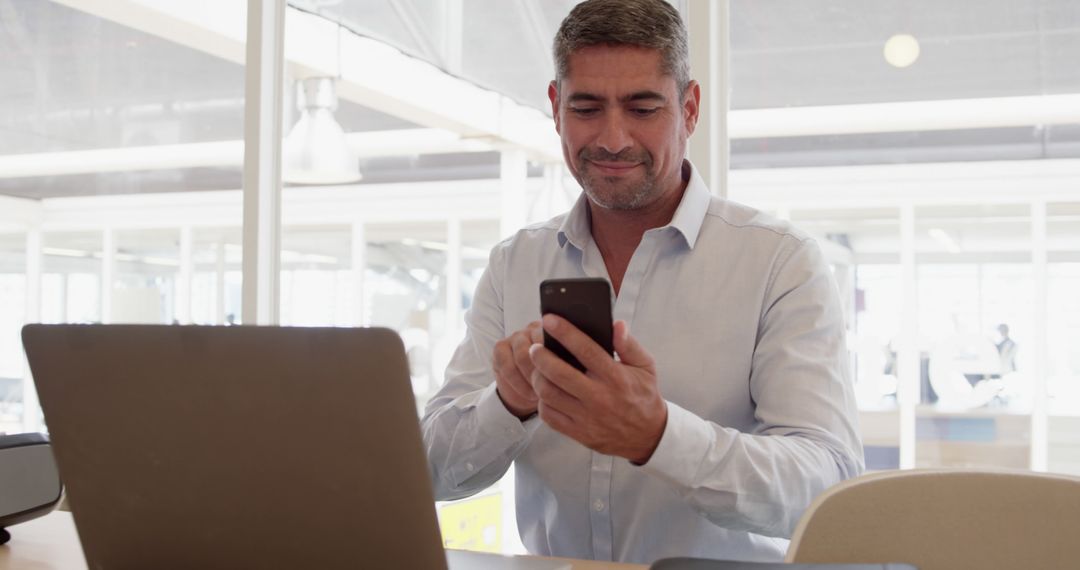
503, 359
536, 332
550, 393
520, 389
559, 372
520, 344
557, 420
585, 349
508, 377
629, 349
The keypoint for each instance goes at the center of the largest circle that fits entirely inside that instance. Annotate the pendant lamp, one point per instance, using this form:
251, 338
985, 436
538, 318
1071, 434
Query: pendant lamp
316, 151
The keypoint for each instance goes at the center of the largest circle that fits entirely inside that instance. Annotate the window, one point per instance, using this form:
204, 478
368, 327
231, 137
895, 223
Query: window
906, 134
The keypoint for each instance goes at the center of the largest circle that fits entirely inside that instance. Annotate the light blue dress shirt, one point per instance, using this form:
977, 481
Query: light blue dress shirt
742, 315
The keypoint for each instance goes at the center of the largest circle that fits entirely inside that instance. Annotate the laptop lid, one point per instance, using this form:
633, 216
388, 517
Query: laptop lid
237, 447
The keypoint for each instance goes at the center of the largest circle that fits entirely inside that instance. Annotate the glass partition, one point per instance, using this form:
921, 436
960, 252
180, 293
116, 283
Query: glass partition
1063, 323
838, 111
117, 132
12, 317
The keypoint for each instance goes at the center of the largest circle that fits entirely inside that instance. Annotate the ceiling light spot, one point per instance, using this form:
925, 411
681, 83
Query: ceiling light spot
901, 50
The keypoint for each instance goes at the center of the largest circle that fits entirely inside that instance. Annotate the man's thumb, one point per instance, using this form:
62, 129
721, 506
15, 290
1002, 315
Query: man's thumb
629, 350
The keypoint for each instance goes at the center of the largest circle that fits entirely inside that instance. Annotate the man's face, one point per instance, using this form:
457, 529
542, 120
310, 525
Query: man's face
623, 125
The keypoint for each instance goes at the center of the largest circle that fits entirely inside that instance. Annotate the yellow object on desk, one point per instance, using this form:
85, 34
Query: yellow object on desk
473, 524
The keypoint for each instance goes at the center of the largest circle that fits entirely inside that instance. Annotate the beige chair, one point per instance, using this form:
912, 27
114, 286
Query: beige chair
945, 520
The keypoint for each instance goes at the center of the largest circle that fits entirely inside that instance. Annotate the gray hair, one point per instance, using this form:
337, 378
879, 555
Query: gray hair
652, 24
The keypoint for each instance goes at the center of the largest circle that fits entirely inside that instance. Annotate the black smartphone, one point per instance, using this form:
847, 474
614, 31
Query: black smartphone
586, 303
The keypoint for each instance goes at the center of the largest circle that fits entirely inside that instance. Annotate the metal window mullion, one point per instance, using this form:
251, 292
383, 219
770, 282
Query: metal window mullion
908, 365
1040, 358
359, 268
454, 310
264, 73
710, 44
452, 16
219, 282
31, 418
185, 277
108, 273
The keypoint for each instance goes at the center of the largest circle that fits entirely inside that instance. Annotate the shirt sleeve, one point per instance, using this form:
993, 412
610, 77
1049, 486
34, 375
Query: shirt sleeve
806, 440
470, 437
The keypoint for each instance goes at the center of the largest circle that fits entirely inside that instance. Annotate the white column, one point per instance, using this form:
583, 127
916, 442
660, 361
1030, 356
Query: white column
908, 361
264, 72
31, 417
186, 276
513, 174
453, 279
453, 20
710, 66
33, 275
65, 283
359, 267
1039, 356
108, 272
219, 284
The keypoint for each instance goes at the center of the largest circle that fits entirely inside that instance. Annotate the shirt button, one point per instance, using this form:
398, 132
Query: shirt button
469, 466
598, 505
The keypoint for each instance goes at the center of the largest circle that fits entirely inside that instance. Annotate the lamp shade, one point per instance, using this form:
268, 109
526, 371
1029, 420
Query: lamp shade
316, 151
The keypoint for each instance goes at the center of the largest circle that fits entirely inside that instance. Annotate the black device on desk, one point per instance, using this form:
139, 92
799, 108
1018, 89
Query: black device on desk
706, 564
586, 303
29, 481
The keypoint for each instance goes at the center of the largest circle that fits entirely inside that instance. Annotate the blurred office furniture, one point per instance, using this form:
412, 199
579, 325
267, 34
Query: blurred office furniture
880, 429
29, 481
945, 519
1064, 443
972, 439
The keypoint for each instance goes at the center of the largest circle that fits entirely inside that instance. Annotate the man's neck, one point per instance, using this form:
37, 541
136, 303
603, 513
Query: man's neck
617, 233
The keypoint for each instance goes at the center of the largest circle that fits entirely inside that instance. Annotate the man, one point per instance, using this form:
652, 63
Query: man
1007, 349
726, 411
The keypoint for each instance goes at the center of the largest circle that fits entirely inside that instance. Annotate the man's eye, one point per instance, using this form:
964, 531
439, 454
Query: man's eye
644, 111
584, 111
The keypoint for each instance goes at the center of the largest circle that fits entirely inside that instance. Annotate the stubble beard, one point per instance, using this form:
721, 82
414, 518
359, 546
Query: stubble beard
613, 192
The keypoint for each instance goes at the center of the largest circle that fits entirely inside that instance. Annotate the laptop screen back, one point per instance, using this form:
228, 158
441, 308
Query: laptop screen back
237, 447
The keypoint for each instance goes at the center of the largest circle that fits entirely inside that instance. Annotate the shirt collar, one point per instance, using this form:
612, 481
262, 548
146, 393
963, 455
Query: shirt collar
576, 226
687, 219
690, 214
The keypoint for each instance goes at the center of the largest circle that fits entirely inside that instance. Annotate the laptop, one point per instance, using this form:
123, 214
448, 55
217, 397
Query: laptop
239, 447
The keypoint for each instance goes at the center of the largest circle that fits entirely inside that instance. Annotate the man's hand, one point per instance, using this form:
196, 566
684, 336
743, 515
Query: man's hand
513, 369
615, 408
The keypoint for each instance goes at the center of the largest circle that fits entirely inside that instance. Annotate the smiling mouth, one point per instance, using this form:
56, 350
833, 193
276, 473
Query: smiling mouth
614, 168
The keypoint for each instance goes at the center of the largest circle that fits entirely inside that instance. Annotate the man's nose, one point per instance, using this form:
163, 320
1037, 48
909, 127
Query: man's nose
614, 136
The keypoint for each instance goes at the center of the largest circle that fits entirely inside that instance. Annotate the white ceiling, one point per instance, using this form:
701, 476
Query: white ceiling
73, 81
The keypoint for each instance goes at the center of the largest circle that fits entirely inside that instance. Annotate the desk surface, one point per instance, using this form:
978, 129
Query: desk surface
51, 542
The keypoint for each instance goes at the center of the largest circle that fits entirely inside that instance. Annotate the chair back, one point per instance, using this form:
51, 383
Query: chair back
945, 520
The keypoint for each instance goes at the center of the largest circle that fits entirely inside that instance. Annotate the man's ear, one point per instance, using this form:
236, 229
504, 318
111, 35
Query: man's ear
553, 95
691, 106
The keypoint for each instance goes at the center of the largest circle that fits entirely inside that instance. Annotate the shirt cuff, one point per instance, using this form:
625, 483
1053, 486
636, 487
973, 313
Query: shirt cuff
683, 447
495, 419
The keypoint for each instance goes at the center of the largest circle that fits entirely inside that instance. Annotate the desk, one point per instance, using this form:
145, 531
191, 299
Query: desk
51, 543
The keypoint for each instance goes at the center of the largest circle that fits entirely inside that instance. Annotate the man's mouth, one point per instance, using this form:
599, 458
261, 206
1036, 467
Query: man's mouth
613, 168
